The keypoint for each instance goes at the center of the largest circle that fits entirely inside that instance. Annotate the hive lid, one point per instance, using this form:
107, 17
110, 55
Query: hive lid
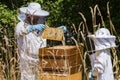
62, 47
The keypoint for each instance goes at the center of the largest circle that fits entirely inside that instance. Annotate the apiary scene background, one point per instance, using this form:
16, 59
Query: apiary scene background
69, 61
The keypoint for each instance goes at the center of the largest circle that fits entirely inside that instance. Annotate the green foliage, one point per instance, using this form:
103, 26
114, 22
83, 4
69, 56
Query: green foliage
6, 16
62, 12
115, 13
55, 8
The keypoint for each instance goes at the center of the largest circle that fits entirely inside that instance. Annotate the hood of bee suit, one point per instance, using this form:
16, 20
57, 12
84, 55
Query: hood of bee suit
33, 9
103, 39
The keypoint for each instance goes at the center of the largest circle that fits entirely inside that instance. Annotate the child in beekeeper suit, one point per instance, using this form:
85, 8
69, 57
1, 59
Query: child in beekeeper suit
29, 40
101, 60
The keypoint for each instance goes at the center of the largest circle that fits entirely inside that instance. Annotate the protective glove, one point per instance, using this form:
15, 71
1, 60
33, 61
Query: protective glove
39, 27
64, 28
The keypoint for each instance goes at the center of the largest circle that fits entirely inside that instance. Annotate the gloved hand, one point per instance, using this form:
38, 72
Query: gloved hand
63, 27
39, 27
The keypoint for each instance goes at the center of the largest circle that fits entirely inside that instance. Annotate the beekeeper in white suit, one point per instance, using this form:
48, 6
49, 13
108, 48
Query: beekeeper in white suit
28, 31
101, 60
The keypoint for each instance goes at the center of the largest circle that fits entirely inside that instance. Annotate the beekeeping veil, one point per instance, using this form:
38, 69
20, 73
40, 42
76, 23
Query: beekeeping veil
103, 39
32, 9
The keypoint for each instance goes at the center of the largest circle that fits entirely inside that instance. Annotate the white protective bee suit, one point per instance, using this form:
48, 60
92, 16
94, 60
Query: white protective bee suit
101, 60
29, 42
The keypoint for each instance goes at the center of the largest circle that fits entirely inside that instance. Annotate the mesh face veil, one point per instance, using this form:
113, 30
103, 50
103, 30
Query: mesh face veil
31, 19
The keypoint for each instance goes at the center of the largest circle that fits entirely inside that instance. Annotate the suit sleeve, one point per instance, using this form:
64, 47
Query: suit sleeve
21, 29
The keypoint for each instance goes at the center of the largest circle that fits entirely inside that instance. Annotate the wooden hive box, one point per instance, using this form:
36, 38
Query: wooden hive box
59, 60
76, 76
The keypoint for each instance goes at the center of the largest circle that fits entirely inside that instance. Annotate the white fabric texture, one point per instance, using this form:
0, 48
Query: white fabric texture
21, 16
102, 39
104, 43
28, 46
34, 9
101, 60
101, 63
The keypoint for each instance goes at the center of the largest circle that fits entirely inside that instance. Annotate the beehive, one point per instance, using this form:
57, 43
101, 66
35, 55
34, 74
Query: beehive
76, 76
60, 60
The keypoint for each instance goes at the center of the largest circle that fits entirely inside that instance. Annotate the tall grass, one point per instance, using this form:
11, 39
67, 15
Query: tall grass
9, 62
9, 57
83, 29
